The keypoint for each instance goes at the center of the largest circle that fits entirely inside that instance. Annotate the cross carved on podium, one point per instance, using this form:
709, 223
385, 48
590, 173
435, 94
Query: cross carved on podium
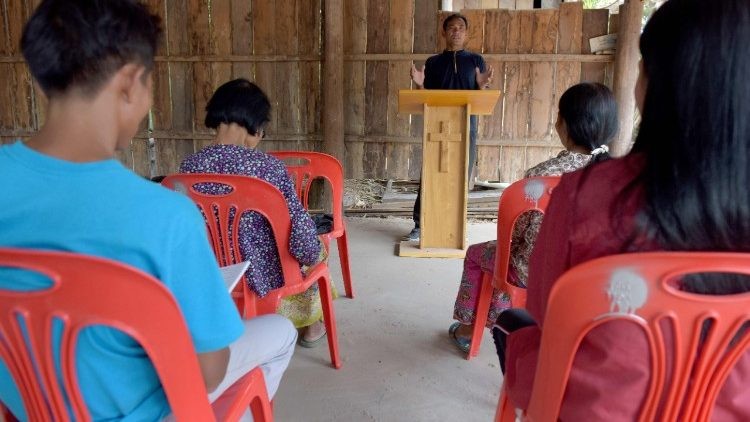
444, 136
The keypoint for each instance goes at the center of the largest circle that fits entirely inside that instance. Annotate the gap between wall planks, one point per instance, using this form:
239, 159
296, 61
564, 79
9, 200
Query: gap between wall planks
277, 44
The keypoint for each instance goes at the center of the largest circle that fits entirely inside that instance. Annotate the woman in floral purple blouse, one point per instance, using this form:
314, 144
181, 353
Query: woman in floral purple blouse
586, 122
238, 111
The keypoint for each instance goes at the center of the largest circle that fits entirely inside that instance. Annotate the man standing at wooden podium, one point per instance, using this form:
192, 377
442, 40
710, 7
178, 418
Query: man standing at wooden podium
454, 68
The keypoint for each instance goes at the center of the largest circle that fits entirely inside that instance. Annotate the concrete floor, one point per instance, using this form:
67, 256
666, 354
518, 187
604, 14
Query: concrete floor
398, 361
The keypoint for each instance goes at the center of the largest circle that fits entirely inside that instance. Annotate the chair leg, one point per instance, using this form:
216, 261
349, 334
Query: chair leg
343, 245
330, 320
483, 309
505, 411
261, 409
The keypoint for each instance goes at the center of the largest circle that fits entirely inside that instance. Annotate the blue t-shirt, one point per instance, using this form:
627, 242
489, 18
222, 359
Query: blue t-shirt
102, 209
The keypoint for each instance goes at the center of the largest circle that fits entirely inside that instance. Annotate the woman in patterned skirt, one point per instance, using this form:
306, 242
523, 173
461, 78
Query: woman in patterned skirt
238, 111
586, 122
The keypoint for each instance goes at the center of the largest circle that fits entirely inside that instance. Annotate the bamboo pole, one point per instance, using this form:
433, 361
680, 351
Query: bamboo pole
626, 72
333, 79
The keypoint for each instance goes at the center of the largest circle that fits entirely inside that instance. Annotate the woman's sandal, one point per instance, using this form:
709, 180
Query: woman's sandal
311, 343
462, 343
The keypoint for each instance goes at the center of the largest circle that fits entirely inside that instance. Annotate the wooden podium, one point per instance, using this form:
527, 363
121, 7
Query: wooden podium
445, 166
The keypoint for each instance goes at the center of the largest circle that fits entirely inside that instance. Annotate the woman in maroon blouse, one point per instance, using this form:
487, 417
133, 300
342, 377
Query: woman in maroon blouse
684, 187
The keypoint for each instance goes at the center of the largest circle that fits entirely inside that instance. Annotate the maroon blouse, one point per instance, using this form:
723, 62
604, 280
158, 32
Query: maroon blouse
611, 370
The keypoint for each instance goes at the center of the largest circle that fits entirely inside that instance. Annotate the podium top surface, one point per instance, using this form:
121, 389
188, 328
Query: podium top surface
482, 102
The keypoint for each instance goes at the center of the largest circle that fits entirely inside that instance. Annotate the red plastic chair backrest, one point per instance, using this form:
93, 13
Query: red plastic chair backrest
247, 194
306, 166
530, 194
641, 287
92, 291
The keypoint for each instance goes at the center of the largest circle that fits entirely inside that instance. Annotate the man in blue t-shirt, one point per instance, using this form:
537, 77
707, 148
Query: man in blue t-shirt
63, 190
454, 68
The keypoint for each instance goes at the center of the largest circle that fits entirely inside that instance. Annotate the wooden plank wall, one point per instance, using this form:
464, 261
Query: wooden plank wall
278, 45
206, 43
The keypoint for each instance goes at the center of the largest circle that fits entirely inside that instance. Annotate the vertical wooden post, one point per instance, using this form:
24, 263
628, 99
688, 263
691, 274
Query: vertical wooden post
626, 72
333, 80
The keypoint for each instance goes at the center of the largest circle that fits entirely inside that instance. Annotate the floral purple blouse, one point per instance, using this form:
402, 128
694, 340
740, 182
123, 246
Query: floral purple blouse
256, 240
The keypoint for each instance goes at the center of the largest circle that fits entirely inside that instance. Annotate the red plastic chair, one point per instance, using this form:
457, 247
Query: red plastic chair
304, 167
531, 194
640, 287
94, 291
252, 194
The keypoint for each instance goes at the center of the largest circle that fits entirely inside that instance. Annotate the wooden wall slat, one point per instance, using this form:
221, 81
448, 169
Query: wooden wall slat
544, 40
242, 38
221, 44
287, 89
355, 26
139, 151
512, 163
264, 42
425, 13
158, 7
595, 23
4, 35
518, 78
6, 99
180, 74
310, 89
475, 31
17, 14
496, 35
200, 41
376, 86
569, 42
242, 27
21, 91
354, 157
401, 35
376, 90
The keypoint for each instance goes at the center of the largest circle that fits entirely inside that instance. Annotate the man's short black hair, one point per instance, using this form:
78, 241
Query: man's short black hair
82, 43
455, 16
239, 101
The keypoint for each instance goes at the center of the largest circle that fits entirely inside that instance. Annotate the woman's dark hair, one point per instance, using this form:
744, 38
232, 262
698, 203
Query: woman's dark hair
452, 17
239, 101
695, 129
82, 43
589, 111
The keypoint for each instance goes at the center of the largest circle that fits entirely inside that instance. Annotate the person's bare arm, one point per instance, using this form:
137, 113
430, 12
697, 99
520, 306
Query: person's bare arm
213, 367
417, 75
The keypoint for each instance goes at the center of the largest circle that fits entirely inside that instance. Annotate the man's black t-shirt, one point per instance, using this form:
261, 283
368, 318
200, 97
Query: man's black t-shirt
453, 70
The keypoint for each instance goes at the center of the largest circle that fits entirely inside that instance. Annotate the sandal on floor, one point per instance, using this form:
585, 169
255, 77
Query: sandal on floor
463, 344
311, 343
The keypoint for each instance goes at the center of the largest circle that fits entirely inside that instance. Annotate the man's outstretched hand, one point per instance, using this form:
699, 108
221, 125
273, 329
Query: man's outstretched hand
417, 75
484, 80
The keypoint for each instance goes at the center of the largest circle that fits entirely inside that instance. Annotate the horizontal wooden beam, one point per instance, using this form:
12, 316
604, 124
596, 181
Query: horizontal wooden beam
580, 58
190, 136
208, 59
